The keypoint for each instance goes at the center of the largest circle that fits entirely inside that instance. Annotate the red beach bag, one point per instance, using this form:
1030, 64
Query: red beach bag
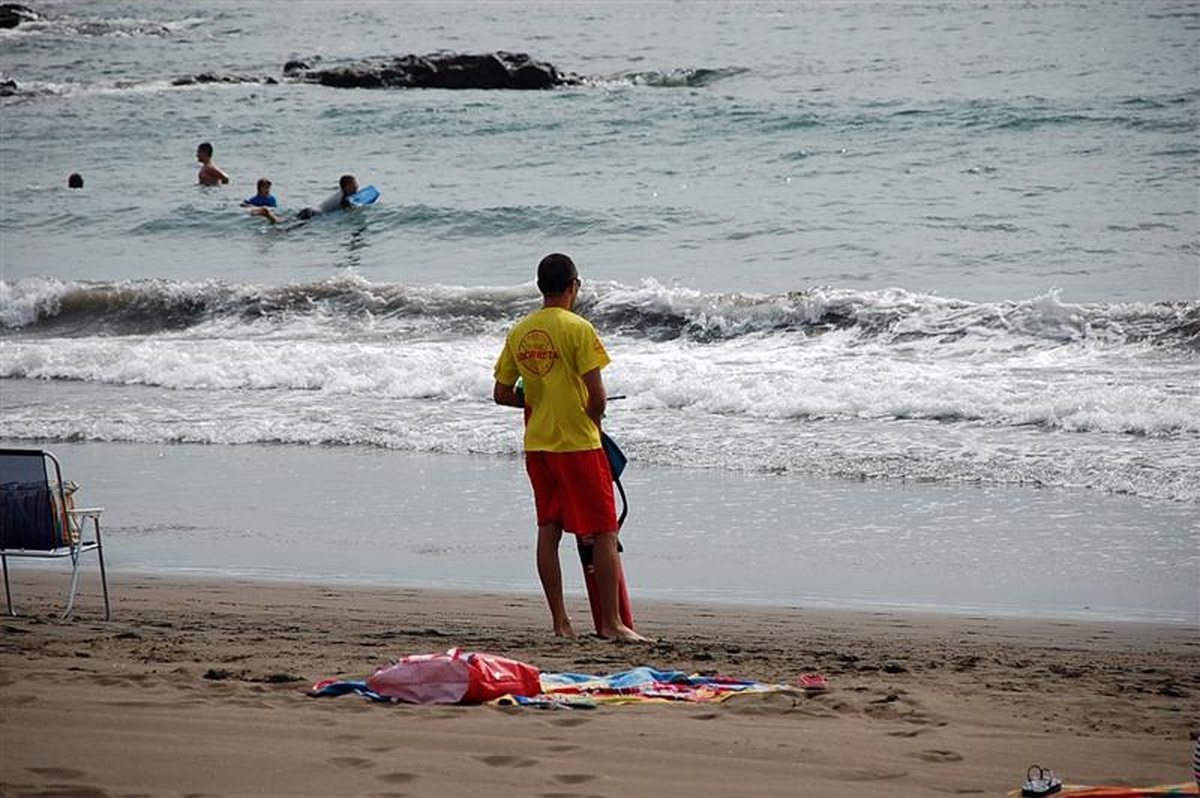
456, 677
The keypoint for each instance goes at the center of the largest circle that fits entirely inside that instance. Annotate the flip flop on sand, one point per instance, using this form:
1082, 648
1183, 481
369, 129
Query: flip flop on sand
1043, 783
813, 682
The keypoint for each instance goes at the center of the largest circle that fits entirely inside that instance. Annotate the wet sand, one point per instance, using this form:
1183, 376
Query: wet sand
355, 515
196, 687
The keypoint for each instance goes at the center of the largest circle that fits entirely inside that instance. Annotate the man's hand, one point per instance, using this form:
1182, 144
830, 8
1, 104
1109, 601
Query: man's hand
506, 395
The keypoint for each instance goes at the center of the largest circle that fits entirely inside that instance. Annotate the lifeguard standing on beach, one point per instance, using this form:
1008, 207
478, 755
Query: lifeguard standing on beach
558, 356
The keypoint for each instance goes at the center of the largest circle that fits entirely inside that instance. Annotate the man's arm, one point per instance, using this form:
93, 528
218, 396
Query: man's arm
506, 395
597, 396
211, 175
264, 212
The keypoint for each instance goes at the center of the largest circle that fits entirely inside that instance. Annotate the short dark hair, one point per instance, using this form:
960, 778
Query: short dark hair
262, 182
75, 180
555, 274
344, 179
205, 147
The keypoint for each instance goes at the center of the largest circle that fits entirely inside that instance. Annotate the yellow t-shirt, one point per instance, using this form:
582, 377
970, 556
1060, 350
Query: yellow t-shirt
551, 349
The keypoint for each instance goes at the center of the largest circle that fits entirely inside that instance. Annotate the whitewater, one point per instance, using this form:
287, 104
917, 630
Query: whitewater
886, 384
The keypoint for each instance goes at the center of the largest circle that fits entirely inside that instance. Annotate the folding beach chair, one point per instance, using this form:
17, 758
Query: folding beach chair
37, 519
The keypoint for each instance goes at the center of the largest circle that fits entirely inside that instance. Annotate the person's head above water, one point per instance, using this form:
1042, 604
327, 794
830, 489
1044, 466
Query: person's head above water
263, 186
75, 180
204, 152
556, 274
348, 184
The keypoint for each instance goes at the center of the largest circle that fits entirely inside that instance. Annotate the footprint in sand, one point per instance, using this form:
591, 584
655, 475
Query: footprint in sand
573, 778
58, 773
874, 774
438, 712
935, 755
765, 704
562, 749
350, 762
20, 700
569, 721
505, 761
399, 777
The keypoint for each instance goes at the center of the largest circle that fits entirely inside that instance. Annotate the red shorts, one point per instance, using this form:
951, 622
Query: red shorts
574, 490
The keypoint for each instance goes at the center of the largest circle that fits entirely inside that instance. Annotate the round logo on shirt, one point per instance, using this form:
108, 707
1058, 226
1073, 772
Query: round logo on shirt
536, 352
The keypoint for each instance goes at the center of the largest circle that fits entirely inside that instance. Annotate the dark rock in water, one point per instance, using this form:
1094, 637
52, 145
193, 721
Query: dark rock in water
499, 70
13, 14
296, 66
212, 77
8, 88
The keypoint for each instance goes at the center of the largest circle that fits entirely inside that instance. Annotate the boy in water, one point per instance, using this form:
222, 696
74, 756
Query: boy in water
210, 173
262, 202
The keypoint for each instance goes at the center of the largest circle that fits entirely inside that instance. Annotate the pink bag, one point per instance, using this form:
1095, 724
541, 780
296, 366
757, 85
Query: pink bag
455, 677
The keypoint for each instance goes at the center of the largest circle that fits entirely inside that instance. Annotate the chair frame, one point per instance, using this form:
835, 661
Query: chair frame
76, 518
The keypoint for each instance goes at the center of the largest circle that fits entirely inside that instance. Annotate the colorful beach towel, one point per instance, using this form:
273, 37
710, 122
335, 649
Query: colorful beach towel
645, 684
583, 690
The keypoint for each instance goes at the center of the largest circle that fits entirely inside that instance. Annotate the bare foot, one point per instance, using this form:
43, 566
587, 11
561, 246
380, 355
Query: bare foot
623, 634
563, 629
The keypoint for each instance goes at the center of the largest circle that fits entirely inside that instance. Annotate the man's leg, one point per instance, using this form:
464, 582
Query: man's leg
608, 581
550, 572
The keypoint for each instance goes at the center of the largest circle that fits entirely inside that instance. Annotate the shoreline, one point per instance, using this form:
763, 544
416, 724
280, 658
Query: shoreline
196, 685
575, 594
378, 517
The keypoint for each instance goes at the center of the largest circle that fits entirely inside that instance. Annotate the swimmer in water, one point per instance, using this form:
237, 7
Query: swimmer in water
210, 173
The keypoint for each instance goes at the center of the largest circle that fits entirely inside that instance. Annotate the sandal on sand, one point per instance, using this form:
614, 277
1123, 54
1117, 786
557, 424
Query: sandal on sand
1043, 783
813, 682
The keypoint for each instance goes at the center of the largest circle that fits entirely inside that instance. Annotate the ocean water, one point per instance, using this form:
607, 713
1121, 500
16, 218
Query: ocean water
954, 245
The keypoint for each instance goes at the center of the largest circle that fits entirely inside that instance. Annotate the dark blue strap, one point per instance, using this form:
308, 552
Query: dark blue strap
616, 457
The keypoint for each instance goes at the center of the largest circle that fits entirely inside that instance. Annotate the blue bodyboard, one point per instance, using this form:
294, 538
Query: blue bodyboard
364, 196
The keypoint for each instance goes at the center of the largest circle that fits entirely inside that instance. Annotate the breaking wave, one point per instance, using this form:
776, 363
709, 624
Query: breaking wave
650, 310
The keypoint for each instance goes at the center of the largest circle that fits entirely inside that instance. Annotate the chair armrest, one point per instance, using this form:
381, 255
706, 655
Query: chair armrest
85, 512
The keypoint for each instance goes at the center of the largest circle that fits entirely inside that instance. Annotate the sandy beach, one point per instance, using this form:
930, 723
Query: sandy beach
197, 687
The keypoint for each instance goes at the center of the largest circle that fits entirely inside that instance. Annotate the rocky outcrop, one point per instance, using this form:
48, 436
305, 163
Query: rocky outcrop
212, 77
13, 14
498, 70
